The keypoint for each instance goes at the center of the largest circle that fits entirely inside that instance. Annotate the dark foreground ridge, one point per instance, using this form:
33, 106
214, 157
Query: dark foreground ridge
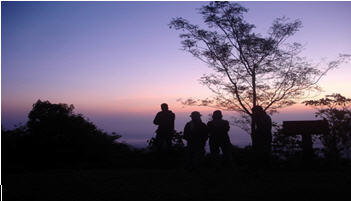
177, 184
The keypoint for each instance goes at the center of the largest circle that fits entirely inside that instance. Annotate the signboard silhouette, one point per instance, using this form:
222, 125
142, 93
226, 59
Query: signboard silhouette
306, 129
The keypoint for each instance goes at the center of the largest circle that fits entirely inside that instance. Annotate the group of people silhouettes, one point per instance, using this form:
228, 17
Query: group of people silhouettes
196, 133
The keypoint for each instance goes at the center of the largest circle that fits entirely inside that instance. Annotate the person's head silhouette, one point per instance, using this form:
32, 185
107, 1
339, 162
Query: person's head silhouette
164, 107
258, 110
195, 116
217, 115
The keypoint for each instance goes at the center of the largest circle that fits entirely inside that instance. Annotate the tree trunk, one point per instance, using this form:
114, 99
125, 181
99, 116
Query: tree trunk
253, 131
254, 102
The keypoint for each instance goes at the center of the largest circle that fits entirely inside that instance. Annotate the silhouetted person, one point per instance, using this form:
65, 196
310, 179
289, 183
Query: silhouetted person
165, 121
219, 138
262, 136
196, 134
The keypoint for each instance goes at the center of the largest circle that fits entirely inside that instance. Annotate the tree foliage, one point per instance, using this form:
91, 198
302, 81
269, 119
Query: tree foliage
249, 68
59, 124
336, 109
55, 135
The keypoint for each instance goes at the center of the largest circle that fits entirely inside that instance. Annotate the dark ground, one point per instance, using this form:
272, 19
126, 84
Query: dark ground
177, 184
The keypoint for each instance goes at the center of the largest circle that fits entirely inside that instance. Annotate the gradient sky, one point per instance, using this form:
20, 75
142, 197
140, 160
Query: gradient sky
117, 61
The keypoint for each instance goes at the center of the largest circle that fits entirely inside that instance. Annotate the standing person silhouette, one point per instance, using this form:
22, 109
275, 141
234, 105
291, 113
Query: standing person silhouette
263, 136
165, 121
219, 138
196, 134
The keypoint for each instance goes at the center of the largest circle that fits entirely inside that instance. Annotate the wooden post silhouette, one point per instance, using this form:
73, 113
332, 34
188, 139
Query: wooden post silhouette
306, 129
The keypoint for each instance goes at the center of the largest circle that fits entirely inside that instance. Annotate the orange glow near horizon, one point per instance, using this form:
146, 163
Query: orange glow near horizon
151, 106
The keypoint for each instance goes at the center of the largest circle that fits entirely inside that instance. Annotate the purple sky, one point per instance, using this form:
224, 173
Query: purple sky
117, 61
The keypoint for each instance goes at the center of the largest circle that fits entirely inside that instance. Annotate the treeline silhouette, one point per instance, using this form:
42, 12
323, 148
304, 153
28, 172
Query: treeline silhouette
56, 137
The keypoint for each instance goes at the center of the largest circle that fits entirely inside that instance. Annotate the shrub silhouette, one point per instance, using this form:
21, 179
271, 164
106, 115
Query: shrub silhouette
55, 136
177, 142
171, 158
285, 146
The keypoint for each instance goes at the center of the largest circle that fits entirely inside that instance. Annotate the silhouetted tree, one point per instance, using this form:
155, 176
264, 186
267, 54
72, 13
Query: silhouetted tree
57, 122
249, 68
55, 135
336, 109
